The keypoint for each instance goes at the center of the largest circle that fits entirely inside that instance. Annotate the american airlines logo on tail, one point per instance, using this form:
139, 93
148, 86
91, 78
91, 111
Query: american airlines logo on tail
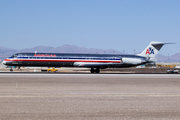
150, 51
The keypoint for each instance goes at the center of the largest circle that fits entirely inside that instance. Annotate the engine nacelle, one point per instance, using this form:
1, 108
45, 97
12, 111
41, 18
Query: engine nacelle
134, 61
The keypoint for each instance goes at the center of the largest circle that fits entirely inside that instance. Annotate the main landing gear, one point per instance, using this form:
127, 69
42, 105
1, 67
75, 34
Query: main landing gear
11, 68
97, 70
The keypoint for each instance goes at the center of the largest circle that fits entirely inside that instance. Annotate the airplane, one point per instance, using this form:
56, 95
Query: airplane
93, 61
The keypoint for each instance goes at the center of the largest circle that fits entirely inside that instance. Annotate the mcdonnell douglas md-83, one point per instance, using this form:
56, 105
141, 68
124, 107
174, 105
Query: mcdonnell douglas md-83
93, 61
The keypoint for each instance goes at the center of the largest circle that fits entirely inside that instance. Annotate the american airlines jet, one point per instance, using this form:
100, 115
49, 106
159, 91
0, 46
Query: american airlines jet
93, 61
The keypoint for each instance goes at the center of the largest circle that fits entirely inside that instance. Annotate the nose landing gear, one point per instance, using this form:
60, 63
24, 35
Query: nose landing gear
11, 70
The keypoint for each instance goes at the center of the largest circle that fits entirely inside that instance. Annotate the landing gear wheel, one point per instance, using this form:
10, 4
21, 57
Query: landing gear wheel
92, 70
97, 70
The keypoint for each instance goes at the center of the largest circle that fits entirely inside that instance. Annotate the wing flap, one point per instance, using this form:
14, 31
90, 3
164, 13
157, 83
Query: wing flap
91, 64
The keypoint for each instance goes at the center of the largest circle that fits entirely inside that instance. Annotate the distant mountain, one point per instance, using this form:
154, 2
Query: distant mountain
175, 57
161, 58
6, 52
38, 49
172, 58
67, 49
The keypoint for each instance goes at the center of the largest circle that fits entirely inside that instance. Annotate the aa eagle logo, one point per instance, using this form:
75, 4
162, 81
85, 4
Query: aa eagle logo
150, 51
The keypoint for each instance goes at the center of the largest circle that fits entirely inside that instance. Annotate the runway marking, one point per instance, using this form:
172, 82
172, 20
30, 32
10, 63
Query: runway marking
90, 95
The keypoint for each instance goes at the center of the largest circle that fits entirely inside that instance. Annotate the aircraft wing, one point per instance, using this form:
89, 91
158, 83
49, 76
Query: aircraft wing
92, 64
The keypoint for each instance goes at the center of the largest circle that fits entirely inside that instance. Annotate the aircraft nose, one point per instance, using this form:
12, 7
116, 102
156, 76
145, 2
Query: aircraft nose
4, 62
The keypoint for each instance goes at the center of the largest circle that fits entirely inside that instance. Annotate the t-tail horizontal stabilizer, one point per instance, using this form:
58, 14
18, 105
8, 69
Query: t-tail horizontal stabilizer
152, 49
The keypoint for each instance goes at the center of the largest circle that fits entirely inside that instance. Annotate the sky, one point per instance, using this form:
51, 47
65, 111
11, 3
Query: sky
128, 25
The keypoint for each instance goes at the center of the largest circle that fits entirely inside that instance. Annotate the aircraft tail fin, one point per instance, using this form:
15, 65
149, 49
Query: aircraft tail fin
152, 49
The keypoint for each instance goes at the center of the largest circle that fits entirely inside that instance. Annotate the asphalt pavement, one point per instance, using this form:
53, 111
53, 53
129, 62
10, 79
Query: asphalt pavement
89, 96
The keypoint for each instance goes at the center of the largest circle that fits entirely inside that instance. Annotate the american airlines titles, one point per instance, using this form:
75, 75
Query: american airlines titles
45, 55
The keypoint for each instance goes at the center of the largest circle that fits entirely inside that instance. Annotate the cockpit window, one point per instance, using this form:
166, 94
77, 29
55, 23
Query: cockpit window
14, 56
20, 55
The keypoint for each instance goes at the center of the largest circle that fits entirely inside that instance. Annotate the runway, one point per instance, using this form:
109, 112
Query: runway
89, 96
